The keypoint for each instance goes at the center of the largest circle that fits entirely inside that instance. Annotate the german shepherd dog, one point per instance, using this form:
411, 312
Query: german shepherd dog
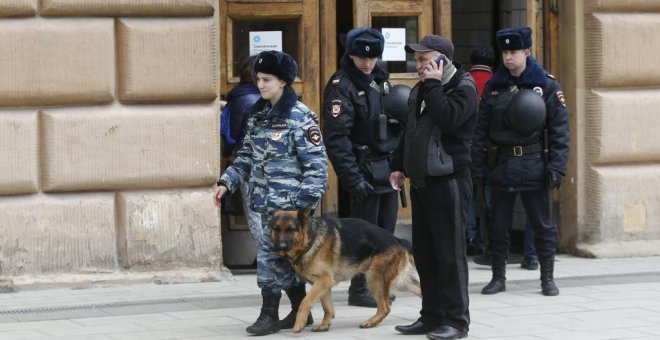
325, 251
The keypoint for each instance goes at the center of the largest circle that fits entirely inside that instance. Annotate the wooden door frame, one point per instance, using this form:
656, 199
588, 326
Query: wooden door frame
307, 81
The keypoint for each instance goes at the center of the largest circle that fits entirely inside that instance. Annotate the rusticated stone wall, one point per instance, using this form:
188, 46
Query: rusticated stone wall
612, 205
108, 135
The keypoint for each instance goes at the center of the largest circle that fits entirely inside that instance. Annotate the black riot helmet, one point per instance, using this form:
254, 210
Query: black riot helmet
526, 112
395, 103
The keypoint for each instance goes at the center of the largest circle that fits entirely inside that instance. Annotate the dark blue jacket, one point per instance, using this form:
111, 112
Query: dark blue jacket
529, 171
241, 99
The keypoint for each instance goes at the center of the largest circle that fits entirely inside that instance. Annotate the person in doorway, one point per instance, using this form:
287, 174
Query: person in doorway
523, 113
482, 58
283, 160
435, 155
361, 135
239, 102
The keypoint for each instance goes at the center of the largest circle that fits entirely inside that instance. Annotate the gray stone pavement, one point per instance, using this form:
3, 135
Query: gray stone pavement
600, 299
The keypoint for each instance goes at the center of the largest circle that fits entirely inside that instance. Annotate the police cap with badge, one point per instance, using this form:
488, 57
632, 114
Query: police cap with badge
526, 111
364, 42
514, 38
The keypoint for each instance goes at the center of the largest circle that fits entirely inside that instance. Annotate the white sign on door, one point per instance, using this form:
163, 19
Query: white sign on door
265, 41
395, 40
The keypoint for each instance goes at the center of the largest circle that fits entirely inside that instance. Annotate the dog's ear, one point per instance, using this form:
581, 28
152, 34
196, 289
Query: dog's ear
304, 213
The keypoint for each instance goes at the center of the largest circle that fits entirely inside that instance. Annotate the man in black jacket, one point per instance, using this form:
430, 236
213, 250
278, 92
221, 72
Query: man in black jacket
360, 137
523, 113
435, 155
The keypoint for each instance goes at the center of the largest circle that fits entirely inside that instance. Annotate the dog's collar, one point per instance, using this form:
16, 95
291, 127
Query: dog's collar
312, 239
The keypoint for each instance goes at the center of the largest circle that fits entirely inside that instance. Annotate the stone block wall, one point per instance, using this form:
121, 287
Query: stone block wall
109, 145
619, 148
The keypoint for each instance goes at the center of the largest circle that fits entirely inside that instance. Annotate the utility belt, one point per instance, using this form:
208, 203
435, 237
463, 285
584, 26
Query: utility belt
519, 150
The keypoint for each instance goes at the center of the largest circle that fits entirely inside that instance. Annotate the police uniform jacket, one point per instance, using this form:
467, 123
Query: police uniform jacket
526, 170
441, 119
282, 158
352, 104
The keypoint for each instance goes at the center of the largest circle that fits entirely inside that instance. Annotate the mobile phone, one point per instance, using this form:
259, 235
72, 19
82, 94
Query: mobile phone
442, 58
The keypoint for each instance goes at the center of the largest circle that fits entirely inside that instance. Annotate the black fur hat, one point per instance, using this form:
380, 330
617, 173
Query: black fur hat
277, 63
364, 42
511, 39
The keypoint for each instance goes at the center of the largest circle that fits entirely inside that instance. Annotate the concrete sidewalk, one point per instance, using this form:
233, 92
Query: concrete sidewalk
600, 299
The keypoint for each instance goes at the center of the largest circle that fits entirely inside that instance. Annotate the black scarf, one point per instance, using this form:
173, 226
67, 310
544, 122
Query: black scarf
363, 81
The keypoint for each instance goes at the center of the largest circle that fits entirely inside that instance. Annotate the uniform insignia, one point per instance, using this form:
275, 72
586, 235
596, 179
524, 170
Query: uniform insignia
386, 87
278, 124
422, 107
550, 76
538, 90
360, 93
375, 86
560, 97
336, 107
366, 48
495, 93
314, 135
276, 135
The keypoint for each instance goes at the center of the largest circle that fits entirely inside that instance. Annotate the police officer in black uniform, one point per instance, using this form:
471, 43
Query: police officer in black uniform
523, 113
360, 137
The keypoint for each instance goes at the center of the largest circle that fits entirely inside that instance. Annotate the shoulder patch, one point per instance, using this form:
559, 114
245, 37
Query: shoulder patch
336, 107
550, 76
560, 97
314, 135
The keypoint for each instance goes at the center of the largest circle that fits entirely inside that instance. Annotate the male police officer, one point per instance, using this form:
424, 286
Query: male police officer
360, 137
521, 105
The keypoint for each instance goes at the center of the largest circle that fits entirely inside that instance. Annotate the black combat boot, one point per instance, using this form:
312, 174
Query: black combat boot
358, 294
268, 321
296, 294
496, 284
548, 287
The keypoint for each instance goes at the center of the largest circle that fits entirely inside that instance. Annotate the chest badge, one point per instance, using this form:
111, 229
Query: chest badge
386, 88
422, 107
276, 135
538, 90
336, 108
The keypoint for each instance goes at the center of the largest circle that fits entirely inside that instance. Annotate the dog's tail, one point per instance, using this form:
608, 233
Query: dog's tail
408, 278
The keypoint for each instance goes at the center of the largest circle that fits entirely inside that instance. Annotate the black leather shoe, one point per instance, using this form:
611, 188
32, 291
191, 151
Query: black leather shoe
416, 328
446, 333
365, 299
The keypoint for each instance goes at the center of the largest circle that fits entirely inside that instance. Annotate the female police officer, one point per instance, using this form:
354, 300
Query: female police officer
283, 158
521, 105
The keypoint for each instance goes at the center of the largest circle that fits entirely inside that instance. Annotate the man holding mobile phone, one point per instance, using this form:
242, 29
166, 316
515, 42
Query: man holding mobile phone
435, 155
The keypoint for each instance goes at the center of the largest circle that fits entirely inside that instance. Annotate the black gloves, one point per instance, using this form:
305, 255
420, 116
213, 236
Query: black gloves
360, 191
554, 179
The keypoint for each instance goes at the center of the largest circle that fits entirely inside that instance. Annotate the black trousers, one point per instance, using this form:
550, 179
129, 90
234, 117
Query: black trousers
536, 207
379, 209
439, 209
